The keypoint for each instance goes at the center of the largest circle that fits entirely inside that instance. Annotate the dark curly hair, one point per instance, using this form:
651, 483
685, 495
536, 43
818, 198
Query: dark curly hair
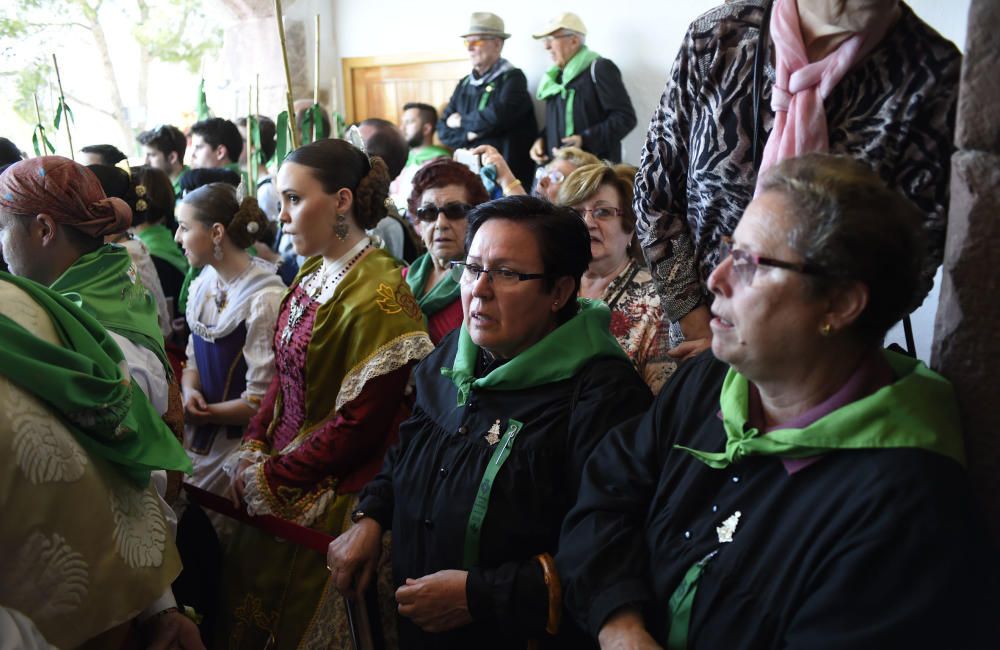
442, 172
157, 196
338, 164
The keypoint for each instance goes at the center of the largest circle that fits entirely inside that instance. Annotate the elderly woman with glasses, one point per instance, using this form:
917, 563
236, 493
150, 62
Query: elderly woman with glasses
507, 409
798, 487
602, 194
443, 193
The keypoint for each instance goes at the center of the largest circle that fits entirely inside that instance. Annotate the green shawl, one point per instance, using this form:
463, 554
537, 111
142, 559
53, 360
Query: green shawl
918, 410
442, 294
549, 87
105, 284
162, 245
559, 355
85, 382
370, 327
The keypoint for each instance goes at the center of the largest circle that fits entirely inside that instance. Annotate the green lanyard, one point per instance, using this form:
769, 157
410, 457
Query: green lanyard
681, 601
485, 96
474, 528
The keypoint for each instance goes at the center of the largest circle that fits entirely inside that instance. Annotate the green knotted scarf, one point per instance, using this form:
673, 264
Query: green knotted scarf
161, 244
442, 294
916, 411
559, 355
549, 87
85, 382
104, 284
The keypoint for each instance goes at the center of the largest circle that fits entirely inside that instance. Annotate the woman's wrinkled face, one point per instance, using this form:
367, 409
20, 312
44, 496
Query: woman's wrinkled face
770, 327
507, 319
549, 188
194, 236
308, 213
444, 237
608, 239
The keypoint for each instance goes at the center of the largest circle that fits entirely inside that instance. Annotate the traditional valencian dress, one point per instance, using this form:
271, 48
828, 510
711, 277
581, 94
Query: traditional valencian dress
85, 543
487, 468
232, 326
442, 305
347, 336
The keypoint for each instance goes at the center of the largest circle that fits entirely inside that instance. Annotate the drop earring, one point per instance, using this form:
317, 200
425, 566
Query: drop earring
217, 251
826, 329
340, 229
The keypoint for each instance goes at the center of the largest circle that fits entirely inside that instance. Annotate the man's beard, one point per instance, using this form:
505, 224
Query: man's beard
416, 140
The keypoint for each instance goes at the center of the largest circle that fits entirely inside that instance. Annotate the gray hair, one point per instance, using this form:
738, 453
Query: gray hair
854, 228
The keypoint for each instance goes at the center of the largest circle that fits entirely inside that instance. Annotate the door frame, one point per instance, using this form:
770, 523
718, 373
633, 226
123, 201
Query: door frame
350, 64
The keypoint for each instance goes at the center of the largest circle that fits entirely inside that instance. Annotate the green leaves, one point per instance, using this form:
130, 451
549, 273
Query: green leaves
283, 138
61, 108
41, 143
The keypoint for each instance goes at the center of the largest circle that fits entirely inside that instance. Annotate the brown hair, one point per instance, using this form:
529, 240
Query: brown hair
854, 228
585, 181
243, 220
154, 202
337, 165
442, 172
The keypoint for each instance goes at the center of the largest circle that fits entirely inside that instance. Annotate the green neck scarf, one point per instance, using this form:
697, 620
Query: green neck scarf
559, 355
177, 183
916, 411
549, 87
85, 382
105, 285
417, 157
442, 294
161, 244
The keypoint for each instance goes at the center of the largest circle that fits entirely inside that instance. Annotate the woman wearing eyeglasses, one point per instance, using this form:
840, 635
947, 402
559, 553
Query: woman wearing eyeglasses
443, 193
617, 274
507, 408
800, 487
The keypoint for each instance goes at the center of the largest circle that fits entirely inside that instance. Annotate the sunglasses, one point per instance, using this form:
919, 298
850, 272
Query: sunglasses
451, 211
475, 42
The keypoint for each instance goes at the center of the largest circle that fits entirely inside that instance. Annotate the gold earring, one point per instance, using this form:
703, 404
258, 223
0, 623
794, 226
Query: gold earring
826, 329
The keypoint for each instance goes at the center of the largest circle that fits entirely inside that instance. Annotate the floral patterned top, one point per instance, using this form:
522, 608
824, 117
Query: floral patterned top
639, 324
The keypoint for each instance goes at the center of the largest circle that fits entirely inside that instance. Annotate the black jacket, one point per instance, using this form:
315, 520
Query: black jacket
602, 112
429, 481
871, 548
507, 120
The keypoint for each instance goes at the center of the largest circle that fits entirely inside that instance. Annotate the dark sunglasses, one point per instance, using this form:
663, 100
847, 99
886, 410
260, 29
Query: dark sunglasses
452, 211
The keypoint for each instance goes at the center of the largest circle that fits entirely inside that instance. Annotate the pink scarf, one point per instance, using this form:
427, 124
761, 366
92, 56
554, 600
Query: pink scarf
800, 87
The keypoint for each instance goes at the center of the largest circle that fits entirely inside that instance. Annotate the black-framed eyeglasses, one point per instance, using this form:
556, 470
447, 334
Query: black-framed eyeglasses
466, 273
601, 213
452, 211
745, 263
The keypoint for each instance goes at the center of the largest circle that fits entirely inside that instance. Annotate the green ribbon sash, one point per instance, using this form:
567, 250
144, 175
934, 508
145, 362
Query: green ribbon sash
85, 381
474, 529
918, 410
442, 294
105, 284
161, 244
549, 86
557, 356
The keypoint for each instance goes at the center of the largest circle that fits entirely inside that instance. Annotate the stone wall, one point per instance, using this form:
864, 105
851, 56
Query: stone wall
966, 342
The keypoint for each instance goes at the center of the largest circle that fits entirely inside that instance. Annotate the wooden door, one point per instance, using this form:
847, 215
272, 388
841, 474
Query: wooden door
379, 86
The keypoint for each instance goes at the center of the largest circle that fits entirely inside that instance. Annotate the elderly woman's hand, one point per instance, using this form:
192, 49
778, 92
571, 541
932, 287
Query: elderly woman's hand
625, 630
436, 602
351, 557
489, 155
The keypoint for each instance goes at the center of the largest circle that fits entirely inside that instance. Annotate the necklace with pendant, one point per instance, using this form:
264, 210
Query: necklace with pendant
297, 310
493, 437
221, 297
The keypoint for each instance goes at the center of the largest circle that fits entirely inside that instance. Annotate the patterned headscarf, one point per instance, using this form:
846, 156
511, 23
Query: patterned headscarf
68, 192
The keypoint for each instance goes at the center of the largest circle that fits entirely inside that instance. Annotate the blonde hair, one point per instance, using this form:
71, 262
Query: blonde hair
585, 181
576, 156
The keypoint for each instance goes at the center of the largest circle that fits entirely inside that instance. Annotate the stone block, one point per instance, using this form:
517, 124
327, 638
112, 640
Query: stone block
978, 126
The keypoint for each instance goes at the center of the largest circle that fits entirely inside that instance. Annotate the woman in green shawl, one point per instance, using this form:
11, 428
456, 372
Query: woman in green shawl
508, 408
443, 193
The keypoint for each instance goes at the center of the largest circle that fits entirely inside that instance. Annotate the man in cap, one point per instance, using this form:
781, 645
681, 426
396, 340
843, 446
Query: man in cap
586, 104
491, 105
